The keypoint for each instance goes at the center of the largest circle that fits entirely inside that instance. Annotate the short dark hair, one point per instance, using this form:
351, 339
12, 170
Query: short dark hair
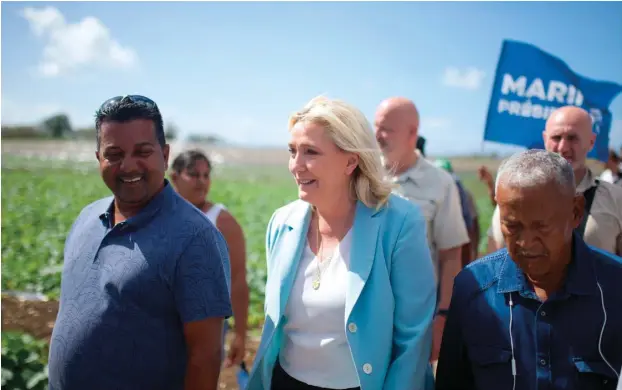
126, 111
187, 160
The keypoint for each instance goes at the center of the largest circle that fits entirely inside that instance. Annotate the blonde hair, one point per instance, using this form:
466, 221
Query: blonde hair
351, 132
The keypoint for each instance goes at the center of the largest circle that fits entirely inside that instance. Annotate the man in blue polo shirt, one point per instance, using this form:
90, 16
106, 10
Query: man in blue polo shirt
145, 283
546, 312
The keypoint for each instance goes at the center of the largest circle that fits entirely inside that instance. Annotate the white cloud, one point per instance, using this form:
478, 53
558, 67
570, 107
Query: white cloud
470, 78
70, 46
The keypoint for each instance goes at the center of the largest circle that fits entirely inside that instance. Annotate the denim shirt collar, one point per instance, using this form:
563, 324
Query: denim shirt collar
147, 213
580, 279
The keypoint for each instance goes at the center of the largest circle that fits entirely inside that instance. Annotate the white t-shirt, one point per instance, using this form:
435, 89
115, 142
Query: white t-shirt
316, 349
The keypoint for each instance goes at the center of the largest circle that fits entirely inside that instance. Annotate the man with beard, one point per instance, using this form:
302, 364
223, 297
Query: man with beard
546, 313
429, 187
145, 283
568, 132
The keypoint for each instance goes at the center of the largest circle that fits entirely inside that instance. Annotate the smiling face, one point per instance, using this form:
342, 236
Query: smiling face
537, 224
131, 161
322, 170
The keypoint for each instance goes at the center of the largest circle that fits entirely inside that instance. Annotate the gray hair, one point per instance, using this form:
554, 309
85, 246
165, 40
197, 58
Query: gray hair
537, 167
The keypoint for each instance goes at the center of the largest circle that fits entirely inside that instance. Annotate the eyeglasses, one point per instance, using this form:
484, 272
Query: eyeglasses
129, 98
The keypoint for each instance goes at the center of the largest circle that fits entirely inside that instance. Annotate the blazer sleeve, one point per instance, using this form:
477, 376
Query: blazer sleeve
413, 281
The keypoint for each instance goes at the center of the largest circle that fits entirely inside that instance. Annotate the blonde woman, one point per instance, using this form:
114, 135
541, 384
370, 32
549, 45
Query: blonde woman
351, 289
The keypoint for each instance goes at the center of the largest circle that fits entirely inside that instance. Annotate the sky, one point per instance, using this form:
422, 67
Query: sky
238, 70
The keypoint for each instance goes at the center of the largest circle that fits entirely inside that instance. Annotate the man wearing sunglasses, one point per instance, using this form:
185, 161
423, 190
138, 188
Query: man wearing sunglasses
145, 284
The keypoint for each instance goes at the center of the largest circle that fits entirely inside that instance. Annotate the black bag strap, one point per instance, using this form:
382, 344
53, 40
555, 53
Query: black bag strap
589, 199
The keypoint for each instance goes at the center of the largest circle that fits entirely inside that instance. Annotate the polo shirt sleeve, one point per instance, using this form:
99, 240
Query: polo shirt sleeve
449, 229
202, 278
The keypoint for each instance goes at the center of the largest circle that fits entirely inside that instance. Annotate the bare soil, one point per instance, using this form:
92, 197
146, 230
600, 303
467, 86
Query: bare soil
37, 318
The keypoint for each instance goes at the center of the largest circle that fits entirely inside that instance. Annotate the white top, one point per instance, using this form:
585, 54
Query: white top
316, 350
214, 211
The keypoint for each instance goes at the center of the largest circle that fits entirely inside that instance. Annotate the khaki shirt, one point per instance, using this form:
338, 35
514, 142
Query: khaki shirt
603, 228
436, 193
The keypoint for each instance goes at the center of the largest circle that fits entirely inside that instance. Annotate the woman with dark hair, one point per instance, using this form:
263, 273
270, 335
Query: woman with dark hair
191, 176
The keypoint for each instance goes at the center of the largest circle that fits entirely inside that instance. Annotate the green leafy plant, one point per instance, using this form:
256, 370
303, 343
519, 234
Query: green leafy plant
24, 362
41, 199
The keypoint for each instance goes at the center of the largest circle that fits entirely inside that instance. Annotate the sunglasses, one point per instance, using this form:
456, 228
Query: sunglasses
128, 98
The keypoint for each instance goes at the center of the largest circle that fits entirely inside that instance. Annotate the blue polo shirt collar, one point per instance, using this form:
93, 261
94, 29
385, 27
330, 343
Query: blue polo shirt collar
580, 279
147, 213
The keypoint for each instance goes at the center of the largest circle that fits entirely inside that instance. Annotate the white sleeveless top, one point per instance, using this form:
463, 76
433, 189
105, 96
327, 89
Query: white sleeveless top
214, 211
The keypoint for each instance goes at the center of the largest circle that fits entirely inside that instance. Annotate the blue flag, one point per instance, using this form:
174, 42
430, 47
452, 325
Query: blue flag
529, 84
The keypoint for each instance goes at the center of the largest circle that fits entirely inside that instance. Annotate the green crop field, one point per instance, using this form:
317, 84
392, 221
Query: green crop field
41, 199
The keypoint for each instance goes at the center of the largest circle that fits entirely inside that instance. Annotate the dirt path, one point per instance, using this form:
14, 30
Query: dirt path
37, 318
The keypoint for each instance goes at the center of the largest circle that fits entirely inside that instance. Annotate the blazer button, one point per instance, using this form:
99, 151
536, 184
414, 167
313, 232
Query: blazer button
352, 327
367, 368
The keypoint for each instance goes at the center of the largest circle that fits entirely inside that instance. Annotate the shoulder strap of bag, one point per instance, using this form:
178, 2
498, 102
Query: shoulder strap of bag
589, 199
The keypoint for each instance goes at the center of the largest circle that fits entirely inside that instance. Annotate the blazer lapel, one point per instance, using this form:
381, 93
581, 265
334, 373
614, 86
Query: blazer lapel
288, 252
364, 238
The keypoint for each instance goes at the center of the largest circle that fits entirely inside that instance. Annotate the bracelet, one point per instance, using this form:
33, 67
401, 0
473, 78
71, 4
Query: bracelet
442, 312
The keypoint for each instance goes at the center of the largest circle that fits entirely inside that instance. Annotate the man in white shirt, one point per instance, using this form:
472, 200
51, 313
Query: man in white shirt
430, 187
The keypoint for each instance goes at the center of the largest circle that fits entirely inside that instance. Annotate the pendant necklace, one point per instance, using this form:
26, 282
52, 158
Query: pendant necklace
318, 274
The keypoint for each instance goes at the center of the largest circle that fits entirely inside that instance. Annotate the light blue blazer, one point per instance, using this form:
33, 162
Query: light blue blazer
390, 299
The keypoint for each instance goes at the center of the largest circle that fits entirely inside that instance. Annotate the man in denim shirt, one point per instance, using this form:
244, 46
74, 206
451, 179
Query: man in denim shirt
145, 284
546, 312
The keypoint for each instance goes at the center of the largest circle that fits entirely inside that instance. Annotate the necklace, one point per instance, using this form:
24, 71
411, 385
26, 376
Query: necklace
318, 273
